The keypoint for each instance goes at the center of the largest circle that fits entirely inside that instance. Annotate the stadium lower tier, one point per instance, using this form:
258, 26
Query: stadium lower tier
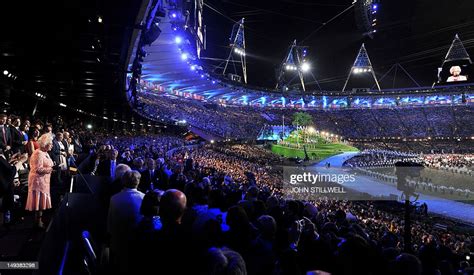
423, 123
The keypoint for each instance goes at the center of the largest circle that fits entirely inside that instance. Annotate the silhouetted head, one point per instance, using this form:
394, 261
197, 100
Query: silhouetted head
172, 206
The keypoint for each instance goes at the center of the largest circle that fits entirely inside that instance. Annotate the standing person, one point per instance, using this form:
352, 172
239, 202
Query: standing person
41, 167
32, 141
18, 140
5, 136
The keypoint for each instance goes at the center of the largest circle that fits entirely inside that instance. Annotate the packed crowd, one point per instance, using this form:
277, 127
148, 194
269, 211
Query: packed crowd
220, 219
220, 121
245, 122
250, 153
219, 210
235, 165
379, 158
459, 163
443, 146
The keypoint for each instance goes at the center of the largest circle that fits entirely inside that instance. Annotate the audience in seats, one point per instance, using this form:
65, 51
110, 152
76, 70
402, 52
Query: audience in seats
123, 218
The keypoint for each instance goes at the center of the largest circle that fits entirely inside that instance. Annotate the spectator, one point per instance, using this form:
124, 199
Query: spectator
225, 261
41, 167
123, 218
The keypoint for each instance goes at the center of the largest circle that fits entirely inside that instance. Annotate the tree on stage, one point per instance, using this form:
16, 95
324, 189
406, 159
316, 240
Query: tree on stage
302, 119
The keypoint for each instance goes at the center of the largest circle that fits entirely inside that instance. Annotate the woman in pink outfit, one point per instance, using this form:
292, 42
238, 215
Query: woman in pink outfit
41, 167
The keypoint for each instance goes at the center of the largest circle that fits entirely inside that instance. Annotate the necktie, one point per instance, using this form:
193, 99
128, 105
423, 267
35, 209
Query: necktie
151, 180
112, 168
4, 136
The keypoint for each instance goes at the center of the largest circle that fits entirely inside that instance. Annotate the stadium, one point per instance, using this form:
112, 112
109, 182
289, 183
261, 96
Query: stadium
237, 137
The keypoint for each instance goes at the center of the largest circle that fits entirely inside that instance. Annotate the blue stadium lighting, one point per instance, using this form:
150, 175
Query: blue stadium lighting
174, 15
184, 56
178, 40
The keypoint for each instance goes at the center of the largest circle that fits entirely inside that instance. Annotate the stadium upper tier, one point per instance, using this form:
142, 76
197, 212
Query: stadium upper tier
176, 87
454, 95
172, 66
418, 122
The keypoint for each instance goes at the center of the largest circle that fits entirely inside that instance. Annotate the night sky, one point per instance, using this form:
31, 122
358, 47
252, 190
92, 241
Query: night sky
416, 34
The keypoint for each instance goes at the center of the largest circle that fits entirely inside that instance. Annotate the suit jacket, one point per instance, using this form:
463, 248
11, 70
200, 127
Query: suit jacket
103, 168
55, 152
17, 139
147, 179
66, 146
7, 130
77, 145
7, 174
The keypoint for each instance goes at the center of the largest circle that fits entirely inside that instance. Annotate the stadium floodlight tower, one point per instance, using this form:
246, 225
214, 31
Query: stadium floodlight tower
362, 65
456, 53
294, 62
237, 46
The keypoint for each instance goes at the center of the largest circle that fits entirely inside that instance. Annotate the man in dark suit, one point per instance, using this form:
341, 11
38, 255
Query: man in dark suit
55, 152
66, 144
106, 167
55, 155
5, 134
18, 141
150, 176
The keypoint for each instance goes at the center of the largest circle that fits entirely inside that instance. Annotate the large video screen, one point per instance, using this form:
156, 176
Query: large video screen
455, 72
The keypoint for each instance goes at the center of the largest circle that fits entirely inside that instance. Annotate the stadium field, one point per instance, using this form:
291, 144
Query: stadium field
316, 152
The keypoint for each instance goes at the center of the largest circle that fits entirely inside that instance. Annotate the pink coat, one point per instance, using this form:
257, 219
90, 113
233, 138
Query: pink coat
39, 178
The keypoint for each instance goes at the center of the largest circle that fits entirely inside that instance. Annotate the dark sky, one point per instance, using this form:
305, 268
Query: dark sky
416, 34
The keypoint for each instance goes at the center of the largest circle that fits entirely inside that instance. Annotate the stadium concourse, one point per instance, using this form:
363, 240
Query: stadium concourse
137, 148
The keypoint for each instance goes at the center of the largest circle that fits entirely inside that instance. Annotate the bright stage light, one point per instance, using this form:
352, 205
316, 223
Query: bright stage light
184, 56
89, 126
174, 15
193, 67
5, 72
305, 67
374, 7
178, 40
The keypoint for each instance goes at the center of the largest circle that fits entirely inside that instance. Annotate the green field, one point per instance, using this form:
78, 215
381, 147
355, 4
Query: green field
321, 151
